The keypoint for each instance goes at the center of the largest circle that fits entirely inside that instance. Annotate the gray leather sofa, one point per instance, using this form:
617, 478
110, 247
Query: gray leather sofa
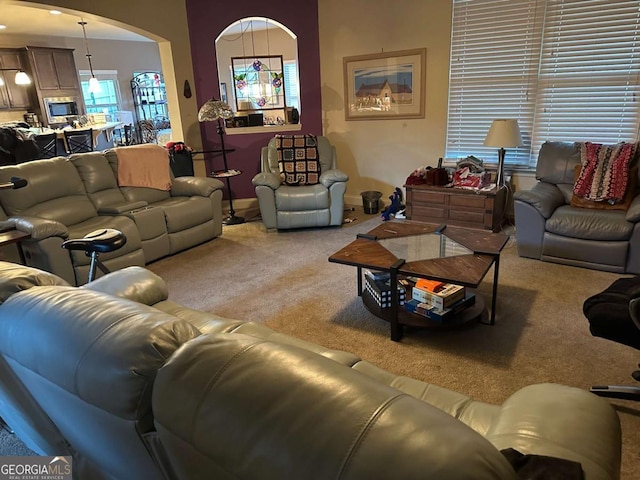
284, 206
549, 228
70, 197
133, 385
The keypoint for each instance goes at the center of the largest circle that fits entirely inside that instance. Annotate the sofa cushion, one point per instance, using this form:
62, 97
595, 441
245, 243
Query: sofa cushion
556, 161
589, 224
54, 191
98, 178
312, 197
181, 213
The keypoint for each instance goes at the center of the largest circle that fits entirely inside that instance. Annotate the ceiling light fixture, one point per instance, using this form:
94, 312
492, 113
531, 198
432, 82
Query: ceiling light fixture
21, 76
55, 12
94, 84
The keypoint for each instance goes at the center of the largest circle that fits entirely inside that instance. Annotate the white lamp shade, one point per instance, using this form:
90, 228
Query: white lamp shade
1, 81
22, 78
504, 133
94, 85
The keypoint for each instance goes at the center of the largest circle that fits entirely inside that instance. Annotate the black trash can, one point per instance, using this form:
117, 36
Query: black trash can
371, 201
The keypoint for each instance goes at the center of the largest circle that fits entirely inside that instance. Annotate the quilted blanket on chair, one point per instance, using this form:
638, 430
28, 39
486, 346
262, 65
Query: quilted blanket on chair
298, 159
604, 175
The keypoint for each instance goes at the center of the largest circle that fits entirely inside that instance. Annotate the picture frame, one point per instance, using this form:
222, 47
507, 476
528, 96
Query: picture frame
385, 86
258, 82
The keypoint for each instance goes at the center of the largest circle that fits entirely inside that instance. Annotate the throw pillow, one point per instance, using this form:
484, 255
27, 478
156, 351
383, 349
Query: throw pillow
580, 202
298, 159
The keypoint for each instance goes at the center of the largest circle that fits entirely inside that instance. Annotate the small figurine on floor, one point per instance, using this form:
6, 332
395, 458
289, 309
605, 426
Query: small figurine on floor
396, 205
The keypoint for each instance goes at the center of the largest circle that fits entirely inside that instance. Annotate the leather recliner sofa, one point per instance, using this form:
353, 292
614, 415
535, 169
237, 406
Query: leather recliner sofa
70, 197
285, 206
133, 385
549, 228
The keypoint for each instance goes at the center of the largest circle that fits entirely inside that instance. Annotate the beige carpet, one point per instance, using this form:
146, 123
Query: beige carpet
284, 280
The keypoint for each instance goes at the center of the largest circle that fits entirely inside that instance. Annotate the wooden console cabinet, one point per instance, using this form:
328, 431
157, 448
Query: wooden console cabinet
457, 206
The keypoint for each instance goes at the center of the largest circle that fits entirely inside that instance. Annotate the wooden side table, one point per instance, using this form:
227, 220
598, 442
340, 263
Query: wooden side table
457, 206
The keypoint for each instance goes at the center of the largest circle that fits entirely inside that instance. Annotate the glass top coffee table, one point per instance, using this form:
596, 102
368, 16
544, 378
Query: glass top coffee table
405, 248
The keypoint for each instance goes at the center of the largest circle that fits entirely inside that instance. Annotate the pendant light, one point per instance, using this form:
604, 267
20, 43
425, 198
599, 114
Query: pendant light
21, 77
94, 85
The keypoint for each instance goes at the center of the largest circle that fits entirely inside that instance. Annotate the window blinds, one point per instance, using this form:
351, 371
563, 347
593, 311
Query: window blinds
566, 69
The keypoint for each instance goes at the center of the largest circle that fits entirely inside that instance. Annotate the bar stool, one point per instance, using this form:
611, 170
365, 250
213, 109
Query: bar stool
48, 145
79, 141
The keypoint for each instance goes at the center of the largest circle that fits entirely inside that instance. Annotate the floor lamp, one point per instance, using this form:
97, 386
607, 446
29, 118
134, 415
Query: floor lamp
503, 133
217, 111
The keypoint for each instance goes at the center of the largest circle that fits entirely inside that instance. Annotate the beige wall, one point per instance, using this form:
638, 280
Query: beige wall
380, 154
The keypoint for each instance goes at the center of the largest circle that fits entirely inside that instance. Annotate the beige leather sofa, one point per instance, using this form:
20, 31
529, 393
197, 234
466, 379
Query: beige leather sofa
133, 385
70, 197
284, 206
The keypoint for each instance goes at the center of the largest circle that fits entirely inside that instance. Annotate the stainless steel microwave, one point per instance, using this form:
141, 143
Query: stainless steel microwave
57, 109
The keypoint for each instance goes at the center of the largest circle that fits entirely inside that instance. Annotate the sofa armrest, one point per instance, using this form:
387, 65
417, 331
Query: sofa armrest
544, 197
120, 209
40, 228
133, 283
633, 213
541, 419
330, 177
267, 179
192, 186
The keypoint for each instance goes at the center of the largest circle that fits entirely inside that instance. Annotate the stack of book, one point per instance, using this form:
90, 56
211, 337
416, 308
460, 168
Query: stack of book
378, 284
438, 301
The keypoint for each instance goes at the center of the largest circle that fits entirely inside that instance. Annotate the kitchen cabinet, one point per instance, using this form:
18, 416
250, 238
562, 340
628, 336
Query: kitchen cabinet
54, 69
12, 95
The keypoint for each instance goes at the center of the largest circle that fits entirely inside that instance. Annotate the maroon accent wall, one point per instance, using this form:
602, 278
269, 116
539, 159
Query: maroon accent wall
207, 19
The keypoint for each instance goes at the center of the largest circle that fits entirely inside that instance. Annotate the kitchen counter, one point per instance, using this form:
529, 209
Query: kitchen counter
102, 133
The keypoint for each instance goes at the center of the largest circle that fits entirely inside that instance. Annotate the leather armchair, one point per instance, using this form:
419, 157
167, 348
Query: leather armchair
549, 228
284, 207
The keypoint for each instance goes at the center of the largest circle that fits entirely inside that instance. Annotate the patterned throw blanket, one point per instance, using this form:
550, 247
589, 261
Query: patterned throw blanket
604, 175
298, 159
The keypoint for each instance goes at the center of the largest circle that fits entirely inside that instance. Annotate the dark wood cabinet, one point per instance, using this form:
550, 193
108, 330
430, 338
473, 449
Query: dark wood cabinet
12, 95
54, 69
457, 206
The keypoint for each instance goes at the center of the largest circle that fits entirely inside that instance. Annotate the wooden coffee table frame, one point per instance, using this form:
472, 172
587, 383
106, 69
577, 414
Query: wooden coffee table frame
468, 270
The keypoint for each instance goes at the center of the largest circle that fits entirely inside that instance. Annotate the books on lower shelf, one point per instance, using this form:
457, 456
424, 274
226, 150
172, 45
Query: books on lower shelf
437, 314
443, 297
379, 287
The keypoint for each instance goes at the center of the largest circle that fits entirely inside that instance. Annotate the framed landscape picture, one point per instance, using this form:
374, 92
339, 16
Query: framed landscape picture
387, 85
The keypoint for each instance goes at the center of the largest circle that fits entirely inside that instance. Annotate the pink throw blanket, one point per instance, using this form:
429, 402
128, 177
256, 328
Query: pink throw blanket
605, 171
144, 166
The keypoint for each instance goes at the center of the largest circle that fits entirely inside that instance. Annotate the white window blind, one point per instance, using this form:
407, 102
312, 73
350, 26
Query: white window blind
291, 88
566, 69
588, 85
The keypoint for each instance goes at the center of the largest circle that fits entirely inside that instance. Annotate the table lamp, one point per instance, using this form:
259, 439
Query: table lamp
503, 133
216, 111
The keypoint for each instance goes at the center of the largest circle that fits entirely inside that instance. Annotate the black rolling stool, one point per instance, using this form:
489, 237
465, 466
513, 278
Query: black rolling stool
97, 242
614, 314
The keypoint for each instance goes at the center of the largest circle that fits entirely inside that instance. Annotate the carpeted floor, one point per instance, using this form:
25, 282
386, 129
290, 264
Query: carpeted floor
284, 280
